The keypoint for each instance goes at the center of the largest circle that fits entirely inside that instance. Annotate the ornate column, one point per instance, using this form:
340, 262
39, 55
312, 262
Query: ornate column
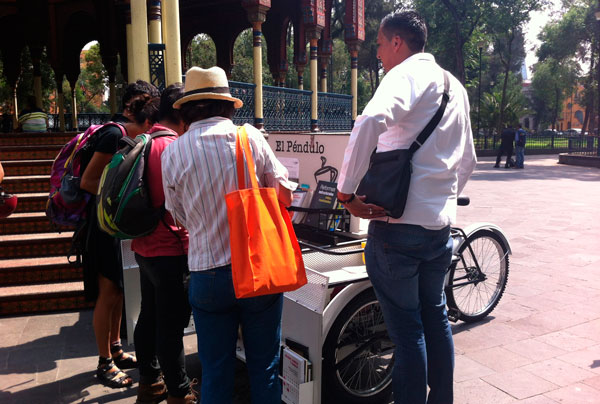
314, 22
325, 51
300, 58
354, 35
257, 14
139, 31
61, 100
154, 22
36, 56
129, 40
172, 40
73, 83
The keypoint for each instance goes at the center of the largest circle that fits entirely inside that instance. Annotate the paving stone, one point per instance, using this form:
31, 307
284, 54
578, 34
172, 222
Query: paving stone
519, 383
499, 359
535, 350
541, 399
593, 382
477, 391
589, 330
565, 340
576, 394
466, 368
558, 372
588, 358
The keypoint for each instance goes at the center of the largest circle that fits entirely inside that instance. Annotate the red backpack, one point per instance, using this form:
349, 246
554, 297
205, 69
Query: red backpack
67, 203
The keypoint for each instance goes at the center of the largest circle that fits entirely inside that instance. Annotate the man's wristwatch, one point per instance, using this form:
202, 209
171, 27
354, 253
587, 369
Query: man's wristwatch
347, 201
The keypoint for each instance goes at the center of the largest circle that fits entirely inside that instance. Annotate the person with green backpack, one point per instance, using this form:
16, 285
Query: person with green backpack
101, 258
162, 258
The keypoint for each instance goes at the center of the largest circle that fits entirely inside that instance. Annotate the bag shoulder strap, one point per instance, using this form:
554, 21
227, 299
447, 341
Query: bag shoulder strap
428, 130
242, 146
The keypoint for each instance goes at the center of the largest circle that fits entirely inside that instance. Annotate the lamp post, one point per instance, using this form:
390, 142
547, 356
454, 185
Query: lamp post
480, 45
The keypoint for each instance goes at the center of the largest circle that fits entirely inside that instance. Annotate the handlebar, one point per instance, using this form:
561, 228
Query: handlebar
463, 200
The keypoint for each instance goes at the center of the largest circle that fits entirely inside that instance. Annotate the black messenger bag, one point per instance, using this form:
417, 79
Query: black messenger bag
387, 180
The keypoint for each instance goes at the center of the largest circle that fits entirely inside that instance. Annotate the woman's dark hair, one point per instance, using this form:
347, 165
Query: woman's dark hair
144, 108
409, 26
198, 110
140, 87
166, 112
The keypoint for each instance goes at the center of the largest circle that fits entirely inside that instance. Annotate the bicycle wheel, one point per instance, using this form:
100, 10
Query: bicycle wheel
358, 355
473, 293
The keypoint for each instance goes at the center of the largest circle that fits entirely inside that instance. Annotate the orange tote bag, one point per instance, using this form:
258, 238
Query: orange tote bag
265, 255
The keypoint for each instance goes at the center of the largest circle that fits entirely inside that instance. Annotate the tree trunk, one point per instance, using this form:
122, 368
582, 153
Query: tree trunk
510, 39
460, 42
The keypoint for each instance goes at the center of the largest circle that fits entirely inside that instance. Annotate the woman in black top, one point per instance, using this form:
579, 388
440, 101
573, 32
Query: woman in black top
103, 275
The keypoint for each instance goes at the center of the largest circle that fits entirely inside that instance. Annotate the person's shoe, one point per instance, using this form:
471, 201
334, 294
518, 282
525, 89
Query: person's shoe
507, 166
496, 166
152, 393
190, 398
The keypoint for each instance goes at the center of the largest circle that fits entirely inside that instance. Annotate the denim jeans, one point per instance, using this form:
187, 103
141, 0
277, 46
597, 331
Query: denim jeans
520, 156
217, 316
164, 313
407, 265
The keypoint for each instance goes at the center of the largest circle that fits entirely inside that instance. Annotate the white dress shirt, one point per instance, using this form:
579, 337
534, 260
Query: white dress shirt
198, 170
406, 100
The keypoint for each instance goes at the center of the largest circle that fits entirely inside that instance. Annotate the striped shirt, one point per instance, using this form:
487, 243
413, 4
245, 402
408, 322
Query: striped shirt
34, 122
198, 171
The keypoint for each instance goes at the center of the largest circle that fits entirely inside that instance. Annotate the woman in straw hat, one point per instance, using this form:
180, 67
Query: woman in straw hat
198, 171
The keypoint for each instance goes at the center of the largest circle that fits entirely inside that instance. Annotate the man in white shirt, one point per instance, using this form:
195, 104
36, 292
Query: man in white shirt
407, 257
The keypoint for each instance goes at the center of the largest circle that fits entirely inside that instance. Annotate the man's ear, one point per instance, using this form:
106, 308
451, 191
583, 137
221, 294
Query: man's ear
397, 42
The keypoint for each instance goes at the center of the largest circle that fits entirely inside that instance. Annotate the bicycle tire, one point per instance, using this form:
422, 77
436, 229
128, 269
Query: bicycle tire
474, 301
364, 374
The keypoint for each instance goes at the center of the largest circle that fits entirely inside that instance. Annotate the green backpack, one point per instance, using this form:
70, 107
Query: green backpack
124, 207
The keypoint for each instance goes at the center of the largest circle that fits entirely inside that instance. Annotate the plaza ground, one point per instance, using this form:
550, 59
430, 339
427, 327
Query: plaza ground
540, 346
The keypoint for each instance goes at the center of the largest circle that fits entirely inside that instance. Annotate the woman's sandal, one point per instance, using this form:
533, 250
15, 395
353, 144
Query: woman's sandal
122, 359
110, 375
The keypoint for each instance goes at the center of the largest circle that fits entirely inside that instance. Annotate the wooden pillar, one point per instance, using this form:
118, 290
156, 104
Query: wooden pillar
314, 22
129, 40
258, 90
139, 33
170, 25
354, 35
154, 22
36, 56
60, 100
73, 84
354, 83
314, 99
15, 106
257, 14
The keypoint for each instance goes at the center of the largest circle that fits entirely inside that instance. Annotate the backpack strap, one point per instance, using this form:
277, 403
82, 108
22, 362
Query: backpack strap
428, 130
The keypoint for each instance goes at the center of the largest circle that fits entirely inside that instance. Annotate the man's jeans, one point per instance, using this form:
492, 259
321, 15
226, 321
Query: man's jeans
407, 265
217, 316
520, 156
164, 314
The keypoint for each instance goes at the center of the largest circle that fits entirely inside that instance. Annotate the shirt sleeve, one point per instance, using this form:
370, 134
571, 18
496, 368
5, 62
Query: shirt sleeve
270, 171
392, 102
108, 141
469, 158
172, 201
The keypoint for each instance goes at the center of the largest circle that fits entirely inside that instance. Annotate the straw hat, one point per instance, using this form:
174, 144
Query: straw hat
202, 84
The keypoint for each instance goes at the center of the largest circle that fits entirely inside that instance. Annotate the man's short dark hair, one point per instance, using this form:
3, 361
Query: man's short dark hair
409, 26
198, 110
166, 112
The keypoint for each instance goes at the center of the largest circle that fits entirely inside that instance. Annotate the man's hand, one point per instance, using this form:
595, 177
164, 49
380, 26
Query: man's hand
357, 207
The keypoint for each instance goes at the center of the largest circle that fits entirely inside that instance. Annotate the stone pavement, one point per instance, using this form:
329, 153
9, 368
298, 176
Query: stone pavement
540, 346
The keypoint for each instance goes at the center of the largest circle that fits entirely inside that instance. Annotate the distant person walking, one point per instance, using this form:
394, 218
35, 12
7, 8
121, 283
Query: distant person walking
520, 140
33, 119
506, 146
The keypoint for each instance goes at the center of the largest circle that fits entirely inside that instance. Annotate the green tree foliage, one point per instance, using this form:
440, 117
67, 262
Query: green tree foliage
505, 26
568, 42
551, 82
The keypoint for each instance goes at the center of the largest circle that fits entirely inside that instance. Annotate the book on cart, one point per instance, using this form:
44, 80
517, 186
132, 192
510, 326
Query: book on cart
324, 197
295, 370
301, 199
